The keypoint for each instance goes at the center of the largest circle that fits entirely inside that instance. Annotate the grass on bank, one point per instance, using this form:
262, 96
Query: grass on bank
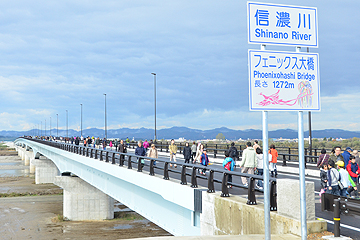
26, 194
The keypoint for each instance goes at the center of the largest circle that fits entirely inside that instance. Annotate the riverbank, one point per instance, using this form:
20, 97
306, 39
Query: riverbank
34, 211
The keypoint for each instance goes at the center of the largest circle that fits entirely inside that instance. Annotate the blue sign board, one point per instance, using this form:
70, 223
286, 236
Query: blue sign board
282, 25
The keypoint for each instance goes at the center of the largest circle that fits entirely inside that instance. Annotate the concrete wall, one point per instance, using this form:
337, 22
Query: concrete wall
223, 216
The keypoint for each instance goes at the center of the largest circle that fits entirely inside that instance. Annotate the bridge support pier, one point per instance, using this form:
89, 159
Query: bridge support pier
82, 201
46, 171
27, 158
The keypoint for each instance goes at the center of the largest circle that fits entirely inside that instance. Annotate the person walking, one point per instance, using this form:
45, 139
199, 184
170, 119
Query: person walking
274, 156
97, 142
249, 162
193, 152
140, 151
104, 144
323, 159
346, 181
346, 155
256, 145
260, 166
127, 142
187, 153
336, 155
173, 150
353, 169
204, 160
229, 164
146, 145
199, 151
333, 177
153, 153
233, 152
122, 149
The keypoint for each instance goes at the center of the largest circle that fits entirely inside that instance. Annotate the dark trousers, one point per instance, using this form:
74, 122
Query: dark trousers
335, 190
187, 160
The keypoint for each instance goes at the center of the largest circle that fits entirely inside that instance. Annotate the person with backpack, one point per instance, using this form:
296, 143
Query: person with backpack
233, 152
333, 177
347, 182
229, 165
204, 160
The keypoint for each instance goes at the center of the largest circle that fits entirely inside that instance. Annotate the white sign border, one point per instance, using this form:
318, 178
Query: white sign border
251, 108
281, 44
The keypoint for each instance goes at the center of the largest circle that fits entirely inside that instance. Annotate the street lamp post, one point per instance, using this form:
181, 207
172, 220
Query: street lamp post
41, 128
81, 120
105, 118
50, 126
45, 127
57, 125
155, 100
67, 135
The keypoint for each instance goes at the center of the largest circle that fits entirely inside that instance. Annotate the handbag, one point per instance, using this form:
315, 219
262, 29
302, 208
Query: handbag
341, 186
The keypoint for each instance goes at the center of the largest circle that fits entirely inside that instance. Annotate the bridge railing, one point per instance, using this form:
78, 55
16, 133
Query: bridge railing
139, 162
285, 153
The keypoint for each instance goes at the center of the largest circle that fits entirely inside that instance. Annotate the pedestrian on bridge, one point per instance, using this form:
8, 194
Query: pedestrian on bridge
274, 156
122, 149
104, 143
204, 160
97, 142
193, 152
323, 159
333, 179
233, 152
229, 164
249, 162
187, 153
348, 184
146, 145
260, 166
153, 153
336, 155
199, 151
173, 149
346, 154
140, 151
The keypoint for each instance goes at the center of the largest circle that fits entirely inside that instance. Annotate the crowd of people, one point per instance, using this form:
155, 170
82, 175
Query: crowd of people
339, 172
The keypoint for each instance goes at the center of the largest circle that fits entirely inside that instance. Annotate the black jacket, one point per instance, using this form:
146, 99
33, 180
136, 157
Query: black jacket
187, 152
122, 148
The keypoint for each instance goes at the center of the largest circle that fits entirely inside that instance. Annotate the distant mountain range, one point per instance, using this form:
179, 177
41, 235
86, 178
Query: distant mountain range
188, 133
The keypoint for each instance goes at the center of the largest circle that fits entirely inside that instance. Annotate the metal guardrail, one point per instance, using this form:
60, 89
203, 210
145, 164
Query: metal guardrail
339, 205
110, 156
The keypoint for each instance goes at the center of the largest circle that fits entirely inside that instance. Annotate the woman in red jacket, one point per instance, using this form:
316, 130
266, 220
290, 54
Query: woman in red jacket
274, 156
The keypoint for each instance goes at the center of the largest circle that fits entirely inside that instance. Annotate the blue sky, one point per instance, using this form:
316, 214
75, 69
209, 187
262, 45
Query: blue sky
56, 55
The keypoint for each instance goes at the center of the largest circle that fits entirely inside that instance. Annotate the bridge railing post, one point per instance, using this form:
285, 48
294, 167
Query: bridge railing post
273, 203
152, 172
83, 151
113, 158
91, 153
211, 187
139, 164
121, 159
87, 152
96, 154
289, 153
106, 156
183, 175
224, 189
129, 163
101, 155
166, 171
284, 160
251, 192
193, 178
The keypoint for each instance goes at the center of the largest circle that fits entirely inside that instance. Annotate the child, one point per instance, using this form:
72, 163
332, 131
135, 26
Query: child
333, 177
204, 160
273, 161
229, 165
323, 179
346, 180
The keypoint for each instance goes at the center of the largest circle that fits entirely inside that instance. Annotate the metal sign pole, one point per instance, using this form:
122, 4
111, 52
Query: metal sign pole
266, 172
302, 171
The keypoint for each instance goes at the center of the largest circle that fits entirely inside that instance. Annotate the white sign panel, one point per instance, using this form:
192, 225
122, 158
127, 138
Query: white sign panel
282, 24
284, 81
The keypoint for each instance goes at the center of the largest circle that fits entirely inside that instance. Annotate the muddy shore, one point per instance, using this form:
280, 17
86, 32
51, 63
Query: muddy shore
38, 214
